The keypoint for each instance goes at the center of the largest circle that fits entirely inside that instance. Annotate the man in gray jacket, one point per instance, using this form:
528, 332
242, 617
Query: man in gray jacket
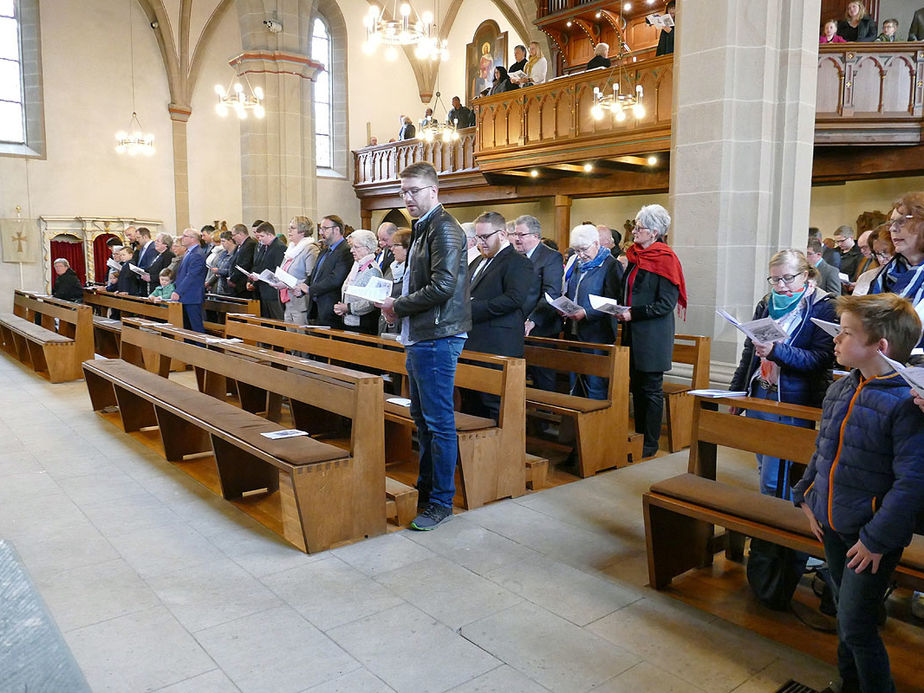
435, 318
828, 279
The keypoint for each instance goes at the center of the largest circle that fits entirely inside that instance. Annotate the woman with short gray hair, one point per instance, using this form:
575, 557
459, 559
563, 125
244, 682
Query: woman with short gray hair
359, 314
653, 285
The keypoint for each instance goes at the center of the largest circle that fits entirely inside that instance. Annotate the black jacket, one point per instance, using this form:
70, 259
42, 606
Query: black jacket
161, 262
502, 295
407, 132
243, 256
599, 61
549, 270
650, 332
437, 304
465, 115
604, 280
67, 287
268, 257
866, 30
324, 289
666, 42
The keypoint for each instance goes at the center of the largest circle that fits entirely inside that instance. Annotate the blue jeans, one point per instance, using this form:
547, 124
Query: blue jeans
862, 660
769, 467
431, 370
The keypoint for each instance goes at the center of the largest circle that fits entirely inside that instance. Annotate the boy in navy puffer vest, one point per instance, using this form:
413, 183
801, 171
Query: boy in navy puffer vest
865, 483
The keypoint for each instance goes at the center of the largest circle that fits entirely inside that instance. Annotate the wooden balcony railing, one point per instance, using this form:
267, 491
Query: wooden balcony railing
547, 7
383, 162
869, 93
550, 123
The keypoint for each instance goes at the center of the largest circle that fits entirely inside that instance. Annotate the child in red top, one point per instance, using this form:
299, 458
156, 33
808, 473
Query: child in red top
830, 33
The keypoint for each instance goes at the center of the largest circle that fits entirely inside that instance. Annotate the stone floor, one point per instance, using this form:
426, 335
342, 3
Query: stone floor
158, 585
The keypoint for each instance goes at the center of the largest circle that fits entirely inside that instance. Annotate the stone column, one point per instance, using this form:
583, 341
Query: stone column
741, 153
179, 115
562, 221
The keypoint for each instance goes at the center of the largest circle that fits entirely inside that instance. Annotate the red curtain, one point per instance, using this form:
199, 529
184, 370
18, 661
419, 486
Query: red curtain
100, 255
72, 251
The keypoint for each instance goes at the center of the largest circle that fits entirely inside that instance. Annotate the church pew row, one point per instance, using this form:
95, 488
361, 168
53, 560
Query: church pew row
681, 512
107, 332
56, 347
695, 351
217, 308
492, 454
324, 400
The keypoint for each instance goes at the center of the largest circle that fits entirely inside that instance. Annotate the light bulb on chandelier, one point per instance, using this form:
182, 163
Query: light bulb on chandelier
134, 141
400, 30
236, 98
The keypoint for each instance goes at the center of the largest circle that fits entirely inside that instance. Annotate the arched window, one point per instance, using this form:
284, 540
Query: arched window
12, 114
323, 96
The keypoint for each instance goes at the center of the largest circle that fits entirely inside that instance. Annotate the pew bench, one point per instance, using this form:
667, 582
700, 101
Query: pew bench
680, 514
107, 332
491, 453
55, 348
217, 306
694, 351
601, 427
305, 485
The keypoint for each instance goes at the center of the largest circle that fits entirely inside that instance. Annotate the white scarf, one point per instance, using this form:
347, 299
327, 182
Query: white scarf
296, 249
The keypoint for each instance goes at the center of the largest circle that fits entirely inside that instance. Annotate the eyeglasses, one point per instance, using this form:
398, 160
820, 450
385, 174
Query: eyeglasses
900, 222
516, 234
412, 192
785, 279
840, 240
583, 250
484, 239
328, 228
883, 256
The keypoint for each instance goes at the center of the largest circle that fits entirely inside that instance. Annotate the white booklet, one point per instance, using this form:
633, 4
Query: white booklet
715, 394
287, 433
764, 330
400, 401
243, 271
606, 305
517, 74
377, 290
264, 276
562, 304
112, 264
832, 328
660, 21
913, 375
285, 278
135, 268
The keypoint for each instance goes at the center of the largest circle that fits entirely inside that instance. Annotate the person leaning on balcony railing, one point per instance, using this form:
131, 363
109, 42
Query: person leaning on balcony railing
600, 59
462, 114
857, 25
536, 69
666, 37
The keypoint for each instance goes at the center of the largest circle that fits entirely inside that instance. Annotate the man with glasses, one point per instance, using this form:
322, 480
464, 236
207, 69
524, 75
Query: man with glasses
543, 320
328, 275
828, 279
850, 252
435, 317
385, 235
189, 287
503, 289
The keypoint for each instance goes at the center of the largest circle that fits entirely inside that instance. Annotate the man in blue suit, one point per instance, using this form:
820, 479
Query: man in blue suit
190, 281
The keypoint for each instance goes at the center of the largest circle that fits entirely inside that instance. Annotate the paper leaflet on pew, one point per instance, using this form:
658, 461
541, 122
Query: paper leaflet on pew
763, 331
562, 304
377, 290
287, 433
606, 305
913, 375
715, 394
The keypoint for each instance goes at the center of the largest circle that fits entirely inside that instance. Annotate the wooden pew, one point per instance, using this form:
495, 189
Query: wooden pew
492, 454
55, 348
601, 427
313, 390
222, 305
107, 332
299, 487
678, 403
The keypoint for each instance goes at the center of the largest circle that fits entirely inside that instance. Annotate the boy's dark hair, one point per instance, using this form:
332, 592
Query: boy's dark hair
266, 228
814, 245
886, 316
167, 272
890, 20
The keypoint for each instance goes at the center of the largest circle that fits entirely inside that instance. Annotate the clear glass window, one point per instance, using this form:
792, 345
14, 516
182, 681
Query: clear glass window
12, 124
323, 95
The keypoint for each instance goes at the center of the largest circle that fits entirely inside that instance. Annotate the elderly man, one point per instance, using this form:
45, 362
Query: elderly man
329, 273
384, 257
471, 243
189, 287
503, 289
827, 279
164, 256
867, 262
850, 252
435, 317
519, 52
544, 320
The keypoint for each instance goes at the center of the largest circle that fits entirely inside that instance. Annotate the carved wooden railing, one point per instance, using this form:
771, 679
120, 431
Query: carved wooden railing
546, 7
869, 93
550, 123
383, 162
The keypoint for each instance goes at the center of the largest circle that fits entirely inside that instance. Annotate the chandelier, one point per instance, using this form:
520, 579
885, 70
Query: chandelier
135, 141
236, 99
618, 103
400, 31
434, 129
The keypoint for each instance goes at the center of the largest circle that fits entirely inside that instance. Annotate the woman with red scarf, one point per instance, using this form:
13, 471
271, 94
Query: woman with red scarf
652, 287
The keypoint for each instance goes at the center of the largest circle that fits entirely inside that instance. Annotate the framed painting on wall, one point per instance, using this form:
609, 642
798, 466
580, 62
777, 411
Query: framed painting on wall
487, 50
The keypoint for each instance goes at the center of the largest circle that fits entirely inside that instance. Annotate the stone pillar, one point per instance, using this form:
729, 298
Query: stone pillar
562, 221
179, 115
741, 153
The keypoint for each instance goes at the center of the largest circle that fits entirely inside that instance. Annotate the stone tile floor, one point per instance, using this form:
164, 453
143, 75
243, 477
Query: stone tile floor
159, 585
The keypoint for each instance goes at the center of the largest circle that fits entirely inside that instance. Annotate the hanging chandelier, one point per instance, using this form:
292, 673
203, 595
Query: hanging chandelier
135, 141
434, 129
399, 30
236, 99
619, 104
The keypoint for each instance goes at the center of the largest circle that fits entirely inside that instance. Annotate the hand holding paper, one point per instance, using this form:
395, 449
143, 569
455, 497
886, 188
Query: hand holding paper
376, 291
914, 375
563, 304
606, 305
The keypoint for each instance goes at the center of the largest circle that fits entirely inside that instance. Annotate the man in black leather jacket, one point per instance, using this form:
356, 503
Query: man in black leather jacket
435, 318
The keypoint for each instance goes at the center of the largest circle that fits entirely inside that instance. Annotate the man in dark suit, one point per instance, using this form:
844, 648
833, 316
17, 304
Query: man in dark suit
544, 320
916, 30
831, 255
329, 273
189, 287
162, 259
503, 290
267, 256
384, 257
850, 251
519, 52
828, 279
243, 257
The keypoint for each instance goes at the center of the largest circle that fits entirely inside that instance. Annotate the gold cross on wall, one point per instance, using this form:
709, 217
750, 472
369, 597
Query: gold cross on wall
20, 239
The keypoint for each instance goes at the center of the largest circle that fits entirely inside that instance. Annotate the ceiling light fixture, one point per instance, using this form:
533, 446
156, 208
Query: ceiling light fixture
398, 30
135, 141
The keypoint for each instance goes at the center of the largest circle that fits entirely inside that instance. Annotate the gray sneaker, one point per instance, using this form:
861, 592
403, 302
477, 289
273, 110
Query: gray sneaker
431, 516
